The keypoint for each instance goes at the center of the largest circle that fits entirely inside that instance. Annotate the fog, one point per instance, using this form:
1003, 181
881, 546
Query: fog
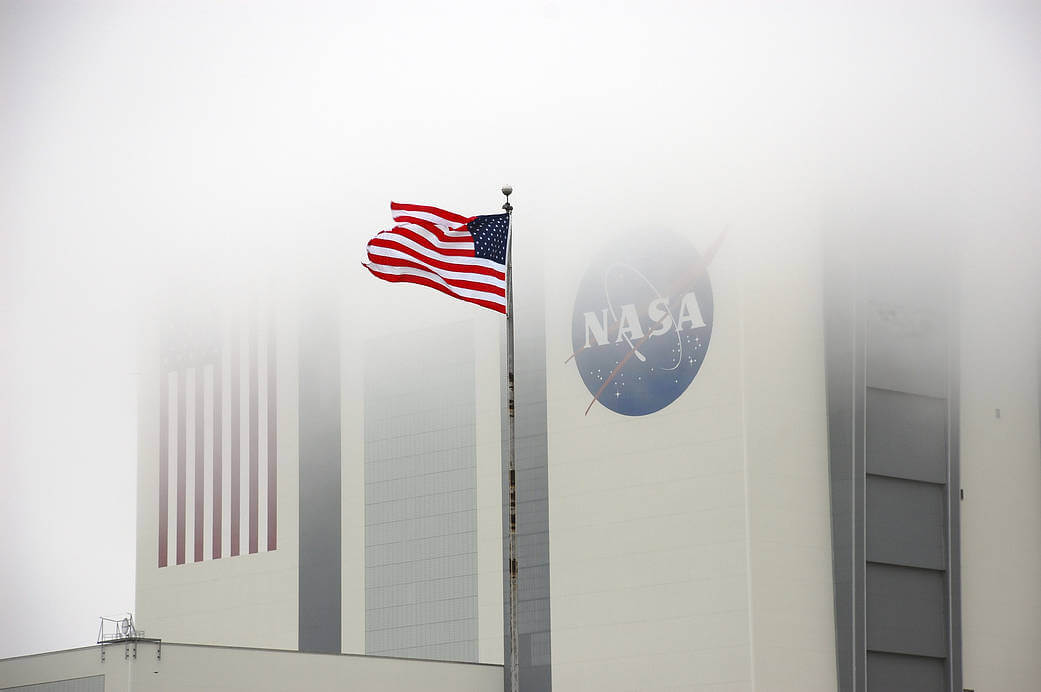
150, 151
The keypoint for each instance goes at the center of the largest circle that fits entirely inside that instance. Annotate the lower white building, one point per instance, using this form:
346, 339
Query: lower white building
146, 665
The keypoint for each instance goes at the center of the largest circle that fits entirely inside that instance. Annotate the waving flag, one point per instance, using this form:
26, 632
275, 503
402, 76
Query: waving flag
464, 257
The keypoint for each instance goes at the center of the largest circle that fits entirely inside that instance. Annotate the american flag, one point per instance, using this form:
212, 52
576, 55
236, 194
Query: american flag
218, 458
462, 256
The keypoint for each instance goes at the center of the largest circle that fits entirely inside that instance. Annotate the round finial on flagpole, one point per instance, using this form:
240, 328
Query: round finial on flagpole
507, 190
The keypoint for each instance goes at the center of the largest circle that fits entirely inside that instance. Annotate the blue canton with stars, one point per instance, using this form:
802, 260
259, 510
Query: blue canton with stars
637, 308
491, 236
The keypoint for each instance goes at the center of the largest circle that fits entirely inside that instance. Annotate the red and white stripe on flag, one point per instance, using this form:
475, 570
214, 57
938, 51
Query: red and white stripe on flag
433, 247
218, 459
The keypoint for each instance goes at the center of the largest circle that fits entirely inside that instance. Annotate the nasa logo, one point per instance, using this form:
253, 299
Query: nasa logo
642, 324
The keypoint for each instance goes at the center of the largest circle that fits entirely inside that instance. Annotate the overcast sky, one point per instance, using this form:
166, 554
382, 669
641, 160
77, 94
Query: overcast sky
146, 140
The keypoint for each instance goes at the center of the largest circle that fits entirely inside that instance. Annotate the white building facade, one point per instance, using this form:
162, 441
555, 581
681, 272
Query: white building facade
742, 464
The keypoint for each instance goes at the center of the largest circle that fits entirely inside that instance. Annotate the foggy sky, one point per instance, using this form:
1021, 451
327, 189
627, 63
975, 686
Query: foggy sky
147, 143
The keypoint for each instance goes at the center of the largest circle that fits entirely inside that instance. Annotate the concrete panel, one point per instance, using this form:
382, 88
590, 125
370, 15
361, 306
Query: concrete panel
905, 522
420, 496
94, 683
785, 450
1001, 473
193, 668
70, 669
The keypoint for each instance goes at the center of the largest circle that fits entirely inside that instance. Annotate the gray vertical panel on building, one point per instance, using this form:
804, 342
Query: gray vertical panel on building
420, 495
898, 673
893, 469
906, 435
906, 610
908, 350
533, 606
954, 501
905, 523
840, 340
859, 502
92, 683
319, 414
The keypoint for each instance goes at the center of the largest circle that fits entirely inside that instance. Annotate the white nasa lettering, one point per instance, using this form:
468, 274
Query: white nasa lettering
596, 328
629, 325
658, 311
690, 311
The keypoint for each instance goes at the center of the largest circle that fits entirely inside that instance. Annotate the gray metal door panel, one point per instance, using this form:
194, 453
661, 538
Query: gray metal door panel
905, 522
906, 435
897, 673
906, 610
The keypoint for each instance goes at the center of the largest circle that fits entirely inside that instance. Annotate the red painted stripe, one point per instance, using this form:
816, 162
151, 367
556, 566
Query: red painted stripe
446, 215
181, 463
218, 451
164, 466
200, 465
254, 419
272, 437
425, 242
459, 283
428, 275
236, 439
393, 278
389, 243
462, 237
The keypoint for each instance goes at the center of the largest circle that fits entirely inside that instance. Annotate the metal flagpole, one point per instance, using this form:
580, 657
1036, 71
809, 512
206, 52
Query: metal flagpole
511, 471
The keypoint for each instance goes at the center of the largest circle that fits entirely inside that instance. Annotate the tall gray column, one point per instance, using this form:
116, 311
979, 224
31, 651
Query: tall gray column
319, 411
891, 332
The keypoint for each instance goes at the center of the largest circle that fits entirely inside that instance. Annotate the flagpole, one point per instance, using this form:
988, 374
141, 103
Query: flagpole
511, 471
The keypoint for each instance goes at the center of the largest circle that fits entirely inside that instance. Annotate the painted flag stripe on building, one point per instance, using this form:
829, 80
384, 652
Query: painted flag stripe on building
218, 458
464, 257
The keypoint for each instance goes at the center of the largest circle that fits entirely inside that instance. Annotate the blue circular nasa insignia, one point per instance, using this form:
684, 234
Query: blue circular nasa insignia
642, 324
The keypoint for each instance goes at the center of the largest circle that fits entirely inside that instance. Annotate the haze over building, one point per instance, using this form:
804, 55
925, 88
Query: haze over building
778, 343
